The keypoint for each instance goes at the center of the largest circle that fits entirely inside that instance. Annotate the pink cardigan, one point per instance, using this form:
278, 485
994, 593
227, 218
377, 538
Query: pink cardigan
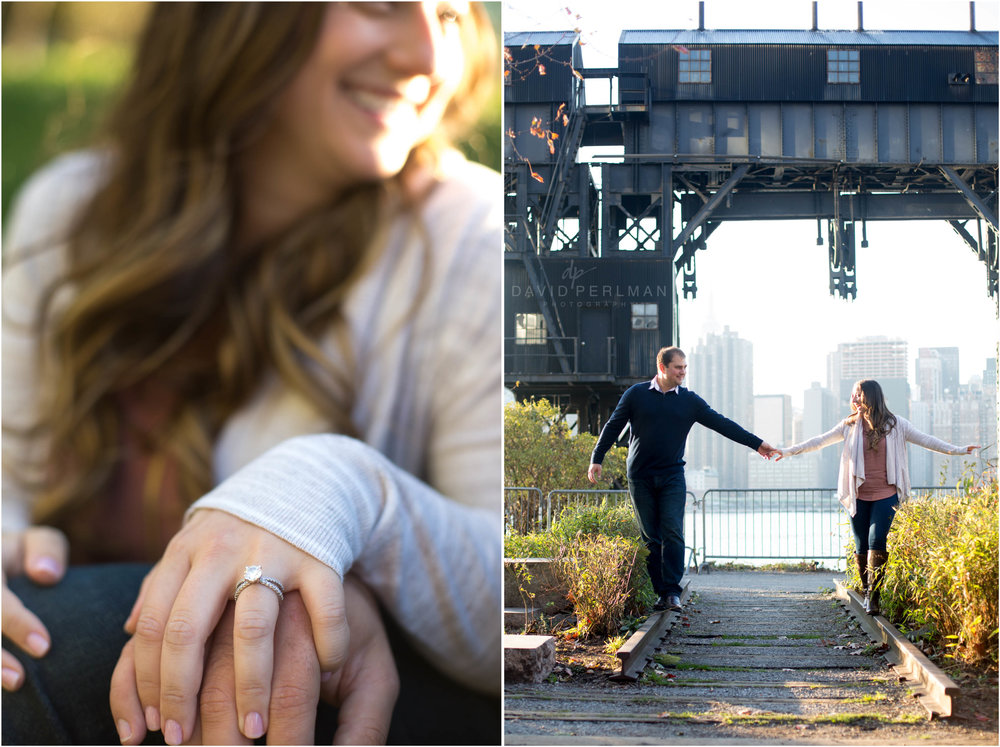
852, 459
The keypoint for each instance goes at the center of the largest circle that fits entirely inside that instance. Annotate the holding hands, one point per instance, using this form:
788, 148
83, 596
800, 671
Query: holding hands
767, 451
364, 689
185, 608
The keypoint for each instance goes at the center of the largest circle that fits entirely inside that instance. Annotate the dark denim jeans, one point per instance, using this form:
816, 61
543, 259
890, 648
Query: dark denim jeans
659, 505
65, 697
871, 522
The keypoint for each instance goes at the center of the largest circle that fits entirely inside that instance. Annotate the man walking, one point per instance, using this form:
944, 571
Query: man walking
660, 414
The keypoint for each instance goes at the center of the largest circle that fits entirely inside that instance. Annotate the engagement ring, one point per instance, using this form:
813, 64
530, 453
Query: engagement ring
253, 574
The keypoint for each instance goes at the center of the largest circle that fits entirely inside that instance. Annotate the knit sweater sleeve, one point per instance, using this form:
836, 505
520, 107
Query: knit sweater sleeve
427, 558
832, 436
613, 428
913, 436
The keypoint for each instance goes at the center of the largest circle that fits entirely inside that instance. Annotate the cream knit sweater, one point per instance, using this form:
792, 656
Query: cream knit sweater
852, 457
414, 507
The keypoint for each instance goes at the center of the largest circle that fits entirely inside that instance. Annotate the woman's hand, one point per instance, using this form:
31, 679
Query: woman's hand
183, 598
365, 689
41, 553
970, 449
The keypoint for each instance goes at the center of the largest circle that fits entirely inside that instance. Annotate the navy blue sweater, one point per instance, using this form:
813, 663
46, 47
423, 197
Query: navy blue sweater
659, 428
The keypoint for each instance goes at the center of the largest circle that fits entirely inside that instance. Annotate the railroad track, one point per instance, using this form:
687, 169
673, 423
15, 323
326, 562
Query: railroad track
741, 664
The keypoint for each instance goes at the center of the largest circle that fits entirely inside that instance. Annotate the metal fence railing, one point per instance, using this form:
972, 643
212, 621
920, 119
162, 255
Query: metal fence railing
772, 524
559, 500
523, 510
722, 525
778, 524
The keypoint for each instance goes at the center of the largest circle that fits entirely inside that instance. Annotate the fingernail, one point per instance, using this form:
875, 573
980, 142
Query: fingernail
37, 644
124, 731
253, 726
152, 718
49, 566
11, 679
172, 733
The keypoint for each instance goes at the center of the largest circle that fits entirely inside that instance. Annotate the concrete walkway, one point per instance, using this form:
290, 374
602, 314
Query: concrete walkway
756, 658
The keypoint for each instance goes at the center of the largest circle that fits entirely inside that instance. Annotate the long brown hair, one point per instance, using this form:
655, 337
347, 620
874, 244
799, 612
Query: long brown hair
161, 308
873, 411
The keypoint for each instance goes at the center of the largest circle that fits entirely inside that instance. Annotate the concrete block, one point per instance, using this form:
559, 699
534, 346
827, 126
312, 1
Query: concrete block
528, 658
542, 591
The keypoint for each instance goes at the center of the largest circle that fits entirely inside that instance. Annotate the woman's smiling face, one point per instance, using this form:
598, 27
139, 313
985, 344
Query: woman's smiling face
376, 84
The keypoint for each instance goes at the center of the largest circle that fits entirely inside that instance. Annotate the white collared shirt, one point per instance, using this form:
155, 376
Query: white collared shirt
655, 384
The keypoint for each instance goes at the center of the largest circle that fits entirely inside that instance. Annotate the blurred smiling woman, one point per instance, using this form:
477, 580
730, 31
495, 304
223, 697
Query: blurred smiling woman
259, 324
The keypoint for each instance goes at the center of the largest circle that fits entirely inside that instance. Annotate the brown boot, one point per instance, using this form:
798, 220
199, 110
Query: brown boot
876, 574
861, 558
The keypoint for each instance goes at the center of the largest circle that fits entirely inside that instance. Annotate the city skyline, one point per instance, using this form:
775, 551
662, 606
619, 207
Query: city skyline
768, 281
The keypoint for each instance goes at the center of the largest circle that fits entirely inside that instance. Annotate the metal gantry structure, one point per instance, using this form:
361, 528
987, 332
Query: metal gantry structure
840, 127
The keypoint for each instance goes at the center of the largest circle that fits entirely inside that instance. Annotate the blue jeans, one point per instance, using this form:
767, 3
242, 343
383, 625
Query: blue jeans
871, 522
659, 505
64, 699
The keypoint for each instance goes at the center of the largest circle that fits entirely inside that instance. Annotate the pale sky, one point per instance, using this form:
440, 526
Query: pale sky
768, 281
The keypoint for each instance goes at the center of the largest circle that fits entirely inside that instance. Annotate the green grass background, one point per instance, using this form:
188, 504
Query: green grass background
55, 93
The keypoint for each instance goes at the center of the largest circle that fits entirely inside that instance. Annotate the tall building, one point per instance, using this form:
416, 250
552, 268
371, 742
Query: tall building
821, 411
921, 460
721, 372
929, 376
937, 374
989, 428
962, 415
772, 417
878, 358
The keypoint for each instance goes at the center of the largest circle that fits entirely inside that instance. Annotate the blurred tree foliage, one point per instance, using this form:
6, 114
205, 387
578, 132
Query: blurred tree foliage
62, 63
540, 450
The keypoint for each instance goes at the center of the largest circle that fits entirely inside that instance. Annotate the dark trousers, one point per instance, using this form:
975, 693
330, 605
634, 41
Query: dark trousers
871, 523
65, 697
659, 506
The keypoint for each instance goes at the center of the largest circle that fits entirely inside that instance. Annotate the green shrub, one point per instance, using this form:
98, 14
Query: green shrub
609, 519
599, 560
602, 576
533, 545
942, 573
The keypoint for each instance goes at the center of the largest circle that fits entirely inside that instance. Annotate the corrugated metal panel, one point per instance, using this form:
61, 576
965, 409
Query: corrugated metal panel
855, 132
771, 72
526, 83
821, 37
986, 134
543, 38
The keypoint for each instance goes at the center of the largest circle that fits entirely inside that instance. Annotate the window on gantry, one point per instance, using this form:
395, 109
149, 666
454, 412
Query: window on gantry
694, 66
645, 316
843, 66
529, 329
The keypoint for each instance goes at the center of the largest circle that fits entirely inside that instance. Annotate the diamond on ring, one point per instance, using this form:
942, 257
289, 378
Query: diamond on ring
254, 574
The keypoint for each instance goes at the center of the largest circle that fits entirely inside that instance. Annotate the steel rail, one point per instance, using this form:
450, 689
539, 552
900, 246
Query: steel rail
639, 648
910, 664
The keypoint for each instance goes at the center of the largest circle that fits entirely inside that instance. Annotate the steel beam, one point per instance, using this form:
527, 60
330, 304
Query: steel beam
971, 197
707, 209
806, 205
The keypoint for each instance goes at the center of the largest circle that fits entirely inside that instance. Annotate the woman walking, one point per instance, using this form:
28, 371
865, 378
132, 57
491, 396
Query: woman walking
874, 475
